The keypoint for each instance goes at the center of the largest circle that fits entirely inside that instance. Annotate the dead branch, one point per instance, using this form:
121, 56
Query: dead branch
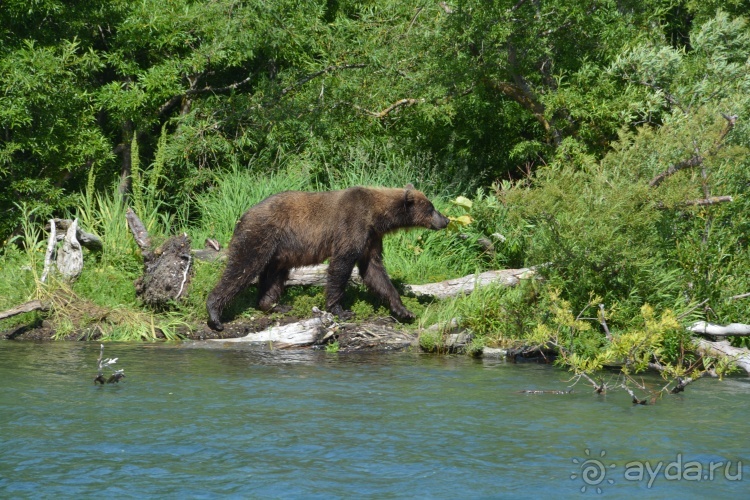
693, 161
598, 388
712, 200
50, 250
684, 382
88, 240
740, 356
138, 229
218, 90
385, 112
636, 400
33, 305
603, 322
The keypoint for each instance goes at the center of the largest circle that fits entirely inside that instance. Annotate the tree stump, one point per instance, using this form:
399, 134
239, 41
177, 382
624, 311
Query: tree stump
166, 270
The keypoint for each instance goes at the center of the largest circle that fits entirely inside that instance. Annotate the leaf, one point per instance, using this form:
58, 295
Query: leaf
463, 220
464, 202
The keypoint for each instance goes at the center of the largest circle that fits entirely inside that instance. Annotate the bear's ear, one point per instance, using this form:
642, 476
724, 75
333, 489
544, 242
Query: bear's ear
409, 187
408, 195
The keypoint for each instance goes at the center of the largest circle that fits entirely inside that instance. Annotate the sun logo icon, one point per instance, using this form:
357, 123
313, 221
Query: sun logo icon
593, 472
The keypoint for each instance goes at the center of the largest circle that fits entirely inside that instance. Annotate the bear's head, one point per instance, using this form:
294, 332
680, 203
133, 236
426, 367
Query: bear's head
421, 210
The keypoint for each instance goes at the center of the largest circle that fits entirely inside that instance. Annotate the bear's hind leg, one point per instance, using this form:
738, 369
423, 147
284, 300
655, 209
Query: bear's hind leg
236, 277
339, 272
271, 286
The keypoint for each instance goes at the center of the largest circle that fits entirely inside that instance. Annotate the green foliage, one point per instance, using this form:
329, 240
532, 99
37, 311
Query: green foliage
500, 314
333, 347
545, 123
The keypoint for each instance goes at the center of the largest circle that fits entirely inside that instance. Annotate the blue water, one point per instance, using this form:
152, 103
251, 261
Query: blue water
191, 421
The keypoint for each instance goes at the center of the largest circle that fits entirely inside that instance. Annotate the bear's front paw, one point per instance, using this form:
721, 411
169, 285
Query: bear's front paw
342, 314
405, 315
215, 325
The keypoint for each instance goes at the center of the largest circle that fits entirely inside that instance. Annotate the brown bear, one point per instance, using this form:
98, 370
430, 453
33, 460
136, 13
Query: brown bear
294, 228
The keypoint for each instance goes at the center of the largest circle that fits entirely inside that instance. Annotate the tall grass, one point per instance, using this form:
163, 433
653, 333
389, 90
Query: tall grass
105, 302
234, 192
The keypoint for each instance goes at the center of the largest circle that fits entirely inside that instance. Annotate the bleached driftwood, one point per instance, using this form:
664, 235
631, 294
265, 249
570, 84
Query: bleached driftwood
88, 240
306, 332
740, 355
315, 276
33, 305
70, 256
467, 284
730, 330
69, 261
50, 251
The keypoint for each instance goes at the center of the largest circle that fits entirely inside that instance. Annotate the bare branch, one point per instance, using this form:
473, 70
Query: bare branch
712, 200
138, 229
33, 305
697, 159
385, 112
694, 161
220, 89
603, 322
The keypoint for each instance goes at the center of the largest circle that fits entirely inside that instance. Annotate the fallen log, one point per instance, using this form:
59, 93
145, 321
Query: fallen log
32, 305
323, 330
730, 330
467, 284
739, 355
301, 333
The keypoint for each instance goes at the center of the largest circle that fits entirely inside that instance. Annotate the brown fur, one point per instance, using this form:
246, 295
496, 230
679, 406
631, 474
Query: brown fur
293, 229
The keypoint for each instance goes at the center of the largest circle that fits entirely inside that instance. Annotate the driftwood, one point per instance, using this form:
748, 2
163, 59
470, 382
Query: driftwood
69, 261
70, 256
730, 330
740, 356
50, 251
323, 329
33, 305
166, 270
87, 240
307, 332
467, 284
317, 276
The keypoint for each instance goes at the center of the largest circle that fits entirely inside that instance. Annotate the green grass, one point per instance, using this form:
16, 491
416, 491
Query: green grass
106, 284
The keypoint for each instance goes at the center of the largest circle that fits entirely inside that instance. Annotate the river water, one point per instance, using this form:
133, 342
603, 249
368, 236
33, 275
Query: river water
198, 421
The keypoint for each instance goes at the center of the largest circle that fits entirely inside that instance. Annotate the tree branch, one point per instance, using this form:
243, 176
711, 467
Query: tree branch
712, 200
697, 159
385, 112
216, 90
323, 71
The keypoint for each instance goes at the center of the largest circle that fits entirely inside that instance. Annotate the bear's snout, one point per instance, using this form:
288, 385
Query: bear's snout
439, 221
